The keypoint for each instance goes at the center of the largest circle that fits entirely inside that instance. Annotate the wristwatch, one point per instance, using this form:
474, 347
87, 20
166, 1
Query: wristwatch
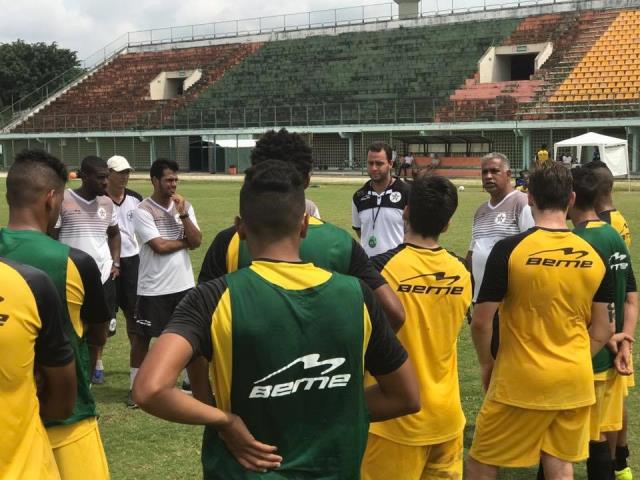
116, 264
183, 216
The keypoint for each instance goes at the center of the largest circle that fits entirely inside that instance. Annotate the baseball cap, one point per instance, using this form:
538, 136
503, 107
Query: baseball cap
118, 164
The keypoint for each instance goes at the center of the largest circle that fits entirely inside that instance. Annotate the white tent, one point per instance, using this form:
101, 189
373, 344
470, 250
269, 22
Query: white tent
613, 151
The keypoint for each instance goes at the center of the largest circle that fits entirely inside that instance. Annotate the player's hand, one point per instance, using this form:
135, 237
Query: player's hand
616, 340
115, 272
622, 362
485, 375
180, 203
250, 453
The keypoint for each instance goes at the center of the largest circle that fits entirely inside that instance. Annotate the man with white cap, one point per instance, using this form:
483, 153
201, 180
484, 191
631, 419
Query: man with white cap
126, 202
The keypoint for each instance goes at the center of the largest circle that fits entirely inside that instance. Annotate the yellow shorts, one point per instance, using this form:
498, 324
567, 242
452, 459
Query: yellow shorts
78, 450
606, 414
385, 459
508, 436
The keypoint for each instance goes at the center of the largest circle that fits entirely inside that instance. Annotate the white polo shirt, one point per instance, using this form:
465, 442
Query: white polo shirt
128, 241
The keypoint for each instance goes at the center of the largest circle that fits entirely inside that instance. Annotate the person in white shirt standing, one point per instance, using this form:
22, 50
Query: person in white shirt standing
126, 283
506, 213
166, 227
89, 222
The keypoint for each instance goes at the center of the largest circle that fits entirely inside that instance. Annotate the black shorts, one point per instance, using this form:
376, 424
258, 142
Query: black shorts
127, 283
152, 314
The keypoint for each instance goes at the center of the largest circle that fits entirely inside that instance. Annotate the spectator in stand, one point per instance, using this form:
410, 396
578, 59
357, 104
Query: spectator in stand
89, 222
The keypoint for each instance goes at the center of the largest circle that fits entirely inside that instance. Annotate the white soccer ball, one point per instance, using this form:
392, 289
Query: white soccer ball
461, 188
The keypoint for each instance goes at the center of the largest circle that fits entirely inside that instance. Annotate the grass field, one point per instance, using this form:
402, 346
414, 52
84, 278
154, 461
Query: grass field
141, 447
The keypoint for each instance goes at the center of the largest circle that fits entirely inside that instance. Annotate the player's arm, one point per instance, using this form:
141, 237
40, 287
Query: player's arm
94, 311
188, 335
54, 359
192, 234
368, 270
623, 340
355, 220
147, 232
396, 392
603, 320
214, 264
492, 291
481, 333
114, 241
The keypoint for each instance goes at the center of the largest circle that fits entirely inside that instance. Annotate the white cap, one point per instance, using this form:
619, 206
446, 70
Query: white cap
118, 163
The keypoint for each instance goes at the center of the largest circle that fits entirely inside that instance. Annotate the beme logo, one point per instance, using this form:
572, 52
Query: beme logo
444, 284
570, 258
306, 383
617, 261
3, 316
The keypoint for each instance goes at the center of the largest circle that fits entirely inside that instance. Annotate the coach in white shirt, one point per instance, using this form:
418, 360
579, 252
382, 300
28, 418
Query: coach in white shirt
506, 213
166, 228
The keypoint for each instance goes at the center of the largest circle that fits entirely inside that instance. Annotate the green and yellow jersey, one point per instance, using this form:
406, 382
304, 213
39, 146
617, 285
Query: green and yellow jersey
288, 345
546, 281
77, 281
435, 289
609, 243
31, 333
618, 222
325, 245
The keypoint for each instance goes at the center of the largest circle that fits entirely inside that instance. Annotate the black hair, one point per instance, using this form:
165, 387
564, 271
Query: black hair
551, 186
285, 146
382, 146
33, 173
432, 202
91, 164
160, 165
585, 186
272, 199
603, 174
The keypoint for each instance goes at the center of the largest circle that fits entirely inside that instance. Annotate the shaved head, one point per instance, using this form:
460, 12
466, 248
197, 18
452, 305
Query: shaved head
32, 174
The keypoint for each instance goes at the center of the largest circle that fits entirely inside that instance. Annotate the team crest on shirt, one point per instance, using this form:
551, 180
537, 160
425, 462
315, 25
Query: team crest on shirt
501, 218
395, 197
102, 213
130, 215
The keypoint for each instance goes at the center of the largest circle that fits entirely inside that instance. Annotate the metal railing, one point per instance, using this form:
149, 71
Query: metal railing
406, 112
236, 28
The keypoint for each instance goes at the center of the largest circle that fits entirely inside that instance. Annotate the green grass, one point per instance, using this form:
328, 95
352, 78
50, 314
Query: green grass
141, 447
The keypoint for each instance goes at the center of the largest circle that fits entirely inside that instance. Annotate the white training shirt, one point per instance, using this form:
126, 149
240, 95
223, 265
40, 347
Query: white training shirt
311, 208
492, 223
83, 225
162, 274
129, 243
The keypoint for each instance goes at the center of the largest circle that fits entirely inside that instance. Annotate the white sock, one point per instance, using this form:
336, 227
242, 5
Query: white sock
99, 365
132, 376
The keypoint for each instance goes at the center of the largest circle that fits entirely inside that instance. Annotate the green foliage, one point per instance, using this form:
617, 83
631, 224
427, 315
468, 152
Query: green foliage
26, 66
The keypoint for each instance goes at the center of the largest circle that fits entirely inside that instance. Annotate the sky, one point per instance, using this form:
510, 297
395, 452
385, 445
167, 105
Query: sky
86, 26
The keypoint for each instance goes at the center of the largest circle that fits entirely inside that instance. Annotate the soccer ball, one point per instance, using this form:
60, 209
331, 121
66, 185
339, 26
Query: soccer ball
461, 188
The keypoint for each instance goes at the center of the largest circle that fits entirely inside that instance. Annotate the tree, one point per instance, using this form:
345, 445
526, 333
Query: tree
27, 66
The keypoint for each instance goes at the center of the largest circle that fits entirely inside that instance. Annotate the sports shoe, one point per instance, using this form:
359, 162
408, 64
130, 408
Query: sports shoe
98, 377
624, 474
130, 402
